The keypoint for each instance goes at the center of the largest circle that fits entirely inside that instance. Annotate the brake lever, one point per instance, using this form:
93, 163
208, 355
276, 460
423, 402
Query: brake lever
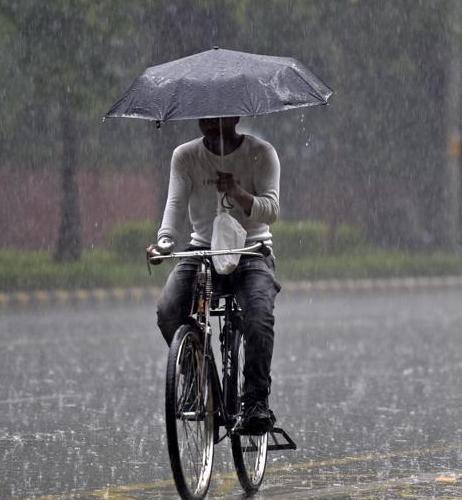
148, 264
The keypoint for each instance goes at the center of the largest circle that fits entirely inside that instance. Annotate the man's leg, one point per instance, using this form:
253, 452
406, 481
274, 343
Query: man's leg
175, 302
256, 289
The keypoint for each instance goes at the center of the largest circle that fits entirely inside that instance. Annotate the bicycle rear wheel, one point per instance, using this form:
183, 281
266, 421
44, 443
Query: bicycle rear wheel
189, 415
249, 451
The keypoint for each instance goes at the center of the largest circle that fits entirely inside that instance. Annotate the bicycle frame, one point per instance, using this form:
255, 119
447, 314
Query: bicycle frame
201, 306
204, 309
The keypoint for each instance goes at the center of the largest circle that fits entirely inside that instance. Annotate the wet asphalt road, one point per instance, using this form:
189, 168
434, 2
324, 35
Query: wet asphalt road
368, 385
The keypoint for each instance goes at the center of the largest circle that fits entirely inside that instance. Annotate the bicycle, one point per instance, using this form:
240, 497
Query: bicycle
197, 404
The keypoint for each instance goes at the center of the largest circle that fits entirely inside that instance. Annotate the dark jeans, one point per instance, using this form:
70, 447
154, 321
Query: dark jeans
255, 286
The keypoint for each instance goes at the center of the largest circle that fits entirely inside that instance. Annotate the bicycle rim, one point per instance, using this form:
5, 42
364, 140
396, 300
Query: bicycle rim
189, 416
249, 451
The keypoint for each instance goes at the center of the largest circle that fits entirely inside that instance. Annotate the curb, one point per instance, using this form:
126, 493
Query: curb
139, 294
374, 284
61, 297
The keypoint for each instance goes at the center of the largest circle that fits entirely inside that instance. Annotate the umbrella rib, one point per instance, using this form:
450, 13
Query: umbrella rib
315, 93
254, 111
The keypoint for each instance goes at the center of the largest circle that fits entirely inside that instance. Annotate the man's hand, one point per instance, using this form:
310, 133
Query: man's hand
164, 247
226, 183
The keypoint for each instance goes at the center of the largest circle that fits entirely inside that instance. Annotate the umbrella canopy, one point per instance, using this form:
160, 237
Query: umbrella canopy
219, 83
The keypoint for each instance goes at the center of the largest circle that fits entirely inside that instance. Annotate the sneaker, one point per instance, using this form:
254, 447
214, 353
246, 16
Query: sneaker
257, 418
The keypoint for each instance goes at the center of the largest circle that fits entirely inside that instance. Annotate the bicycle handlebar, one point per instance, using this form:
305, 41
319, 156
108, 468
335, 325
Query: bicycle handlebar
251, 250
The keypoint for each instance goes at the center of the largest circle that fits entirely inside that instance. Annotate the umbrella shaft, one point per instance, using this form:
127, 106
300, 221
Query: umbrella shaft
222, 144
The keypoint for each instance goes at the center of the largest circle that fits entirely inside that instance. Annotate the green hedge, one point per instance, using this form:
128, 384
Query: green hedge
297, 239
129, 240
21, 270
300, 247
291, 239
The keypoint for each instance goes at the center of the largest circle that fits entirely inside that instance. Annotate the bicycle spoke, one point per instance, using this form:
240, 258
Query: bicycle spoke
201, 436
193, 447
194, 439
192, 461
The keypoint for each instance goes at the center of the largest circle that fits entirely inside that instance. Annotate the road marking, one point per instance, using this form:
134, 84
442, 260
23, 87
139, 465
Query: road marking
100, 294
452, 478
32, 399
401, 487
226, 481
369, 457
118, 492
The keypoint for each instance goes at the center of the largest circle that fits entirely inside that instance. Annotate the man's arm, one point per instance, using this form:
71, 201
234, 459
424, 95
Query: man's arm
179, 189
265, 207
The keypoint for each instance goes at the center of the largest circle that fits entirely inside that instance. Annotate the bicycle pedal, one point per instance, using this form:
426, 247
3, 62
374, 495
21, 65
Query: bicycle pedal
289, 443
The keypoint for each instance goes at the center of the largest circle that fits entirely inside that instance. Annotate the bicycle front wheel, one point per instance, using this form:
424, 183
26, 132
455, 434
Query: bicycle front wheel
189, 415
249, 451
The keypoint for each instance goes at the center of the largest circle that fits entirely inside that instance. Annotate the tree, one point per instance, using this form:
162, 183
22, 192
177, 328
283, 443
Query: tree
63, 50
376, 152
451, 172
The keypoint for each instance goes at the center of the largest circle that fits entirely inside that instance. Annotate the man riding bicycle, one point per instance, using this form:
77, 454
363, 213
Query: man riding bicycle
245, 169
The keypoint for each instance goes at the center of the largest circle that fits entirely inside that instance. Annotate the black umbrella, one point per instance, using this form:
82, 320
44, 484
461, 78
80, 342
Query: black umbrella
219, 83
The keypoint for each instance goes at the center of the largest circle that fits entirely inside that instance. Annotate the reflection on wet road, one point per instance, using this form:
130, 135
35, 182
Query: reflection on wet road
367, 384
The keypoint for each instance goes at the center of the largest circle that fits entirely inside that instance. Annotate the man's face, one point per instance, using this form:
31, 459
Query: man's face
210, 127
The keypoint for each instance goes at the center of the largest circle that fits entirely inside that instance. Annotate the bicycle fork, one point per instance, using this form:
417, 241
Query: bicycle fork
203, 315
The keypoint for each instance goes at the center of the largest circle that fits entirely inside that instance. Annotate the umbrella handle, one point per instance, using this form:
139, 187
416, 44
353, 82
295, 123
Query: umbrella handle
225, 203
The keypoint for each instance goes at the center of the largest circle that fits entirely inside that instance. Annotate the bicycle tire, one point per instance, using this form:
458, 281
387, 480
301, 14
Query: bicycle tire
249, 452
189, 415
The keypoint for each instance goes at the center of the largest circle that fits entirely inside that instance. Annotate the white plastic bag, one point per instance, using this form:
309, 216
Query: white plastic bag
227, 234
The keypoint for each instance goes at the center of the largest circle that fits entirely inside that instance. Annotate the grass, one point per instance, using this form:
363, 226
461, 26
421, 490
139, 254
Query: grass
23, 270
97, 269
370, 264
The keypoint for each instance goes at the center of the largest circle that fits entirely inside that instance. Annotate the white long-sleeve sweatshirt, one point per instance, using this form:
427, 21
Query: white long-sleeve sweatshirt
193, 174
